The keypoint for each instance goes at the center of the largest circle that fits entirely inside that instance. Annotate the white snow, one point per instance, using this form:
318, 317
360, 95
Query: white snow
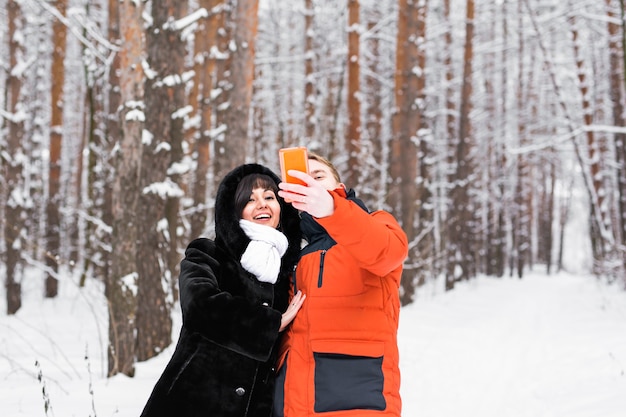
543, 346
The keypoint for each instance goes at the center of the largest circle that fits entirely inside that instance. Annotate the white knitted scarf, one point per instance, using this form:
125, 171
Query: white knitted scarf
262, 256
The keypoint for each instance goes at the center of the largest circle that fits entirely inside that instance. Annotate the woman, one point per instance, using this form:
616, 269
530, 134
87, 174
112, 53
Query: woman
234, 295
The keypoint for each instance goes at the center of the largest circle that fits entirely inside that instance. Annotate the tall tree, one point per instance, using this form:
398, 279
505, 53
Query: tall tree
449, 133
520, 231
490, 149
242, 72
13, 158
598, 220
424, 224
353, 132
122, 279
618, 81
373, 163
101, 131
408, 136
177, 168
37, 129
450, 110
226, 154
235, 76
622, 4
205, 46
53, 217
165, 99
545, 209
496, 252
461, 265
309, 54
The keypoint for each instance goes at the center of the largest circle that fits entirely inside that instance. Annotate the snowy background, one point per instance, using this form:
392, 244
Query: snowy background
543, 346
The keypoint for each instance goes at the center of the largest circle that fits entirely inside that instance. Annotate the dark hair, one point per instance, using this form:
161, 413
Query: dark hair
249, 183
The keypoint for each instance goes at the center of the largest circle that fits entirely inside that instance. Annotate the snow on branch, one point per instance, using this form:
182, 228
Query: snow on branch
19, 70
54, 12
604, 129
17, 117
560, 139
165, 189
186, 21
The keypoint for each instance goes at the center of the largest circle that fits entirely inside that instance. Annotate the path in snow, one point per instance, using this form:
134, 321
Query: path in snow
538, 347
544, 346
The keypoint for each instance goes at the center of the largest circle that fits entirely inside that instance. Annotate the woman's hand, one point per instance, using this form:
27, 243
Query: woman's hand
294, 306
312, 197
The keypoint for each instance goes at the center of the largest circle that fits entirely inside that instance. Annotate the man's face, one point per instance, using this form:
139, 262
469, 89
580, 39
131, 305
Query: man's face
322, 174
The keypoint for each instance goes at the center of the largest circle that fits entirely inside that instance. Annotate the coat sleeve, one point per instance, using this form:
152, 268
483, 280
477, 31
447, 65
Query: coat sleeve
232, 322
375, 240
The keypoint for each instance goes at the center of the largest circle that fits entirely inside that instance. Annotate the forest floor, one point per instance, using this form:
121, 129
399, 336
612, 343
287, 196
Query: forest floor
542, 346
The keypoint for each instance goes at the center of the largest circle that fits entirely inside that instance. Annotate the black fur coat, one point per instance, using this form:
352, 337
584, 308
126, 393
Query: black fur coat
223, 362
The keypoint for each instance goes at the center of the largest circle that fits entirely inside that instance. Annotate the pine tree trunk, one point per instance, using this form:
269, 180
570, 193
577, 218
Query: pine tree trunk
406, 169
164, 98
309, 89
498, 244
122, 278
450, 228
13, 166
451, 110
548, 220
617, 84
242, 74
53, 217
206, 39
353, 62
174, 177
425, 254
226, 155
93, 143
373, 123
598, 216
461, 264
520, 210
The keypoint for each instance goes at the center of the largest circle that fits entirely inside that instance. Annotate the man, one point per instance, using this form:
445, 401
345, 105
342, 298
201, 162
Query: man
339, 357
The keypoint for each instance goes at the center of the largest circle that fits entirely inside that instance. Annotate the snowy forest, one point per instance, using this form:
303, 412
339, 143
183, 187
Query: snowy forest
478, 124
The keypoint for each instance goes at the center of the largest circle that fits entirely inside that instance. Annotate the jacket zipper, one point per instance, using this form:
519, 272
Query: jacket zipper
321, 273
295, 283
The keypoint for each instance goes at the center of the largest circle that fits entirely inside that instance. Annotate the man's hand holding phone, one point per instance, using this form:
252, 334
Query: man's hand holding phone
311, 197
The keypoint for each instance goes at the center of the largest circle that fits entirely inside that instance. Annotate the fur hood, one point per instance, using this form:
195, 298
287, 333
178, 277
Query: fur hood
231, 238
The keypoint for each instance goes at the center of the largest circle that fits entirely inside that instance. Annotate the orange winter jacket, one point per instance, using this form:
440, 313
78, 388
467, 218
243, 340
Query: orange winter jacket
339, 356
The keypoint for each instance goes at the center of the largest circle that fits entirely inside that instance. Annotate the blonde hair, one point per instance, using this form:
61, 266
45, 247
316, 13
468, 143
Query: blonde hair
322, 160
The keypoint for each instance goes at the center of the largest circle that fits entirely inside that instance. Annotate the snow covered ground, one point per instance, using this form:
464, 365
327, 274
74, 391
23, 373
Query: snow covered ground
543, 346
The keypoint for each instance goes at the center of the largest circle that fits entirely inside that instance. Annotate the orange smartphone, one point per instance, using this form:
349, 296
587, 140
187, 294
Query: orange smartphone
293, 158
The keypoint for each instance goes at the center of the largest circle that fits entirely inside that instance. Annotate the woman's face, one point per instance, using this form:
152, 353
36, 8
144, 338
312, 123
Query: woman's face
262, 208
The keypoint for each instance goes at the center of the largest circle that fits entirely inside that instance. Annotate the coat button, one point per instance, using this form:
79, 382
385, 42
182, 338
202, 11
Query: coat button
240, 391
